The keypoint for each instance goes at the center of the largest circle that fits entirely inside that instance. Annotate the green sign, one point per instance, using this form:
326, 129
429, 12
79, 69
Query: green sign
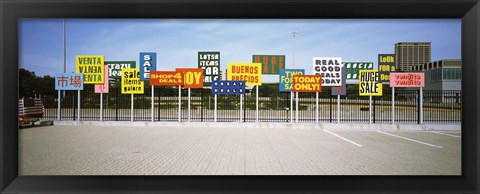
115, 67
352, 68
271, 64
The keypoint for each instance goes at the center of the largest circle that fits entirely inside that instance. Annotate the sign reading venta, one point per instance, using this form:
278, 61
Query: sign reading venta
68, 81
369, 83
103, 88
330, 70
228, 87
271, 64
92, 67
166, 78
307, 83
192, 77
115, 67
286, 78
386, 64
131, 83
251, 73
210, 63
148, 63
407, 80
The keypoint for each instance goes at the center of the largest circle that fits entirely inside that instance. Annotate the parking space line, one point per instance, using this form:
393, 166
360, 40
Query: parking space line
343, 138
446, 134
410, 139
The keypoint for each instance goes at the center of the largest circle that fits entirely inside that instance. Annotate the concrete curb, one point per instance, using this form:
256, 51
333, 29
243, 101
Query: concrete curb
329, 126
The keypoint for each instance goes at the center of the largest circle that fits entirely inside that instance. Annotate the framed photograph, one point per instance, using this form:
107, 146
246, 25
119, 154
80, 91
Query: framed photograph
252, 42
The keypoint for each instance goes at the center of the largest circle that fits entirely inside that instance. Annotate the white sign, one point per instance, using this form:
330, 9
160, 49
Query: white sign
330, 68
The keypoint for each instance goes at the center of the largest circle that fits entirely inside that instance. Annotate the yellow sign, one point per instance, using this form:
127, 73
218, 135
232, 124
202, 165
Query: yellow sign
369, 83
131, 83
92, 67
251, 73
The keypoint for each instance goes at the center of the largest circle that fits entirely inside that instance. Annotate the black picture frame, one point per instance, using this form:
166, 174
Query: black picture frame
467, 10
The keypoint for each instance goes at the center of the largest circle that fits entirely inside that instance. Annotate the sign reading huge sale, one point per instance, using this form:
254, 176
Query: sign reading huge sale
228, 87
131, 83
271, 64
115, 67
386, 64
407, 80
166, 78
68, 81
192, 77
369, 83
148, 63
92, 67
251, 73
210, 63
286, 78
103, 88
330, 68
307, 83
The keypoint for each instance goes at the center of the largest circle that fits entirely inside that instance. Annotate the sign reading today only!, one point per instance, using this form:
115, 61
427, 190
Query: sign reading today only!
330, 68
250, 72
92, 66
131, 83
307, 83
369, 83
286, 78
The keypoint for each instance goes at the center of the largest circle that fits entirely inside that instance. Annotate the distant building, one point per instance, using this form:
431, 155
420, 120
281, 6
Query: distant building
408, 54
444, 74
224, 74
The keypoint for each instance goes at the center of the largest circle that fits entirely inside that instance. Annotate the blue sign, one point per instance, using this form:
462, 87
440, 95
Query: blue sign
148, 63
286, 78
68, 81
228, 87
342, 90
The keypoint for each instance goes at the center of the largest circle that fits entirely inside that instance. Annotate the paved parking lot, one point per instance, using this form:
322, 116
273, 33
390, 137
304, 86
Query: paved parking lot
149, 150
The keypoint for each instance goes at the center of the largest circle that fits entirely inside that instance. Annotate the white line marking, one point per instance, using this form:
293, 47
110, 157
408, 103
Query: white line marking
343, 138
446, 134
410, 139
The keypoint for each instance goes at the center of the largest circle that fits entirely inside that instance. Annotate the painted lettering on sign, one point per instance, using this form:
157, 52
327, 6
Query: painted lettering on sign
369, 83
103, 88
286, 78
251, 73
92, 67
228, 87
307, 83
330, 70
115, 67
210, 63
386, 64
130, 81
166, 78
192, 77
148, 63
68, 81
271, 64
407, 80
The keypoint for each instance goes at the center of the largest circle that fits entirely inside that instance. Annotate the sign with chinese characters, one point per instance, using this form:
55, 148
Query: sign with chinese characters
228, 87
131, 83
307, 83
103, 88
386, 64
166, 78
68, 81
271, 64
92, 67
407, 80
352, 68
286, 78
148, 63
369, 84
210, 63
251, 73
115, 67
330, 68
342, 90
192, 77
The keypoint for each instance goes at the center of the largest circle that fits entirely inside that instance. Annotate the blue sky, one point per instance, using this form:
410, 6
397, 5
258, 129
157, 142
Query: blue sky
178, 41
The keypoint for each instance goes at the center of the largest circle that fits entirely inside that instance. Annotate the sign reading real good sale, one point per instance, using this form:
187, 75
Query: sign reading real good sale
192, 77
166, 78
271, 64
92, 66
330, 68
407, 80
251, 73
103, 88
307, 83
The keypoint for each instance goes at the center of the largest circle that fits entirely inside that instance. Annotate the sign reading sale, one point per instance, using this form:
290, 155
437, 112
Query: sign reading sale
166, 78
192, 77
307, 83
131, 83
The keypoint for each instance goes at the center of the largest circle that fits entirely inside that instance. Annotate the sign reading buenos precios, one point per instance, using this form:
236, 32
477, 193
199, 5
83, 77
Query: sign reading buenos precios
192, 77
166, 78
369, 84
386, 64
228, 87
92, 67
407, 80
251, 73
271, 64
115, 67
330, 70
307, 83
131, 83
210, 63
286, 78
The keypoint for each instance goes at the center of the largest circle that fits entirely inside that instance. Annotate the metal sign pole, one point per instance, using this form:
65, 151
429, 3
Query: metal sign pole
215, 110
393, 105
179, 103
78, 105
370, 111
58, 106
296, 112
316, 103
256, 120
101, 106
131, 108
153, 90
188, 104
291, 106
421, 105
241, 107
338, 109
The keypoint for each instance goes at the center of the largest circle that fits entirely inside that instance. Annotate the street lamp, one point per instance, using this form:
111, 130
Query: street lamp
294, 33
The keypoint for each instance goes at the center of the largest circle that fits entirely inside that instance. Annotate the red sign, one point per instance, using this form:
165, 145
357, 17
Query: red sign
166, 78
103, 88
407, 80
192, 77
307, 83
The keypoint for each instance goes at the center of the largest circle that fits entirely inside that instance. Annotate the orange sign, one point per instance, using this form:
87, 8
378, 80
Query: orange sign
192, 77
307, 83
166, 78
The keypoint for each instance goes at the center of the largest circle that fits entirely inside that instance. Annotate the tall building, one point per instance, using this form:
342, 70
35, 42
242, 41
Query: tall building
408, 54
